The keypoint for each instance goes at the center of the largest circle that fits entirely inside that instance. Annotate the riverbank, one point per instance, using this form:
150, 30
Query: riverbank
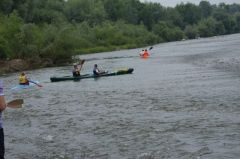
15, 65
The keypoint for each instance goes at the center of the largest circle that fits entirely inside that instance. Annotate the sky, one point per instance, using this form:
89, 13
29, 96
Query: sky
172, 3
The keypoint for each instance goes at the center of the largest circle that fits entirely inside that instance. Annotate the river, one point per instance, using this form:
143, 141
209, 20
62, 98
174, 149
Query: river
173, 3
183, 102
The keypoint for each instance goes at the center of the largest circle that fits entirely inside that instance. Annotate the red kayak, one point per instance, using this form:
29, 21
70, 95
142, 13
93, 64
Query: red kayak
145, 55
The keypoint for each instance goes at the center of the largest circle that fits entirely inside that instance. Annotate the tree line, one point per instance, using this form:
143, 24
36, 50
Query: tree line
59, 29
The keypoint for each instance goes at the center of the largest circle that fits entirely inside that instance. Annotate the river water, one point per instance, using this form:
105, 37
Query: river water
173, 3
181, 103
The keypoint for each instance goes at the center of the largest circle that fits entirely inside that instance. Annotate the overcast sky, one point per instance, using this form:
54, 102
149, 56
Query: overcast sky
172, 3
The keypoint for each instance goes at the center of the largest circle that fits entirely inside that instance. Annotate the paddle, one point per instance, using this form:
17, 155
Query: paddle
150, 48
81, 63
35, 83
17, 103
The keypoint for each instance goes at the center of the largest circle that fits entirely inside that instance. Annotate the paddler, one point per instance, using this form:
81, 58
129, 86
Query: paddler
23, 80
145, 53
96, 71
77, 68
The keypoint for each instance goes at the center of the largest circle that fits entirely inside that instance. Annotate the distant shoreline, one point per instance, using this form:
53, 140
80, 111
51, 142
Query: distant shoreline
173, 3
17, 65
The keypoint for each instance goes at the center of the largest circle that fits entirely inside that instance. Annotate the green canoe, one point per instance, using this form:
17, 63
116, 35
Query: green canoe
65, 78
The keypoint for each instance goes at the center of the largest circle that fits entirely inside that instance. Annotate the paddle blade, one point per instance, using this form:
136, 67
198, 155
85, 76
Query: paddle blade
82, 62
151, 48
17, 103
39, 85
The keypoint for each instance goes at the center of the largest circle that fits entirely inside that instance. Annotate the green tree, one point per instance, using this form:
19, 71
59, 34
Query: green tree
11, 27
112, 8
219, 28
237, 17
191, 32
175, 34
127, 10
207, 27
58, 43
29, 41
228, 21
6, 6
91, 11
167, 33
151, 13
191, 13
161, 29
4, 50
49, 11
174, 17
206, 9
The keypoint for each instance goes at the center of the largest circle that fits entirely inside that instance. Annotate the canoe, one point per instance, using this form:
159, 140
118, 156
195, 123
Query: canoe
19, 87
118, 72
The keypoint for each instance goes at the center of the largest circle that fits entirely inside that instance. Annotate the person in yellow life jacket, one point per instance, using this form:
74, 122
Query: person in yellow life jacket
23, 80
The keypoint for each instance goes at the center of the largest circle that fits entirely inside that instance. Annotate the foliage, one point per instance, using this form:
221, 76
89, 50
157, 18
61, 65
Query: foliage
205, 8
191, 32
237, 17
59, 29
206, 27
191, 13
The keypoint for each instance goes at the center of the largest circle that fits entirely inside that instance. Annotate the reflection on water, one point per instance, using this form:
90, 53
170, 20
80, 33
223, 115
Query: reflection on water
182, 102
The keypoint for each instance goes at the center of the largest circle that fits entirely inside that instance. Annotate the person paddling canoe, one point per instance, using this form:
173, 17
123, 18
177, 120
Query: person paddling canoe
96, 71
77, 68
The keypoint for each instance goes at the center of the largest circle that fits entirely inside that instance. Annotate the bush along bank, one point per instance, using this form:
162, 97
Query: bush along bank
15, 65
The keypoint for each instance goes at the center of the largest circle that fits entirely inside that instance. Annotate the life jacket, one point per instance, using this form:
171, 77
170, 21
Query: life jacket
23, 79
145, 53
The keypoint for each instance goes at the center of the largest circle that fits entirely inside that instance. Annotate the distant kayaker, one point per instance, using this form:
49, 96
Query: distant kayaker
23, 80
145, 53
76, 70
141, 53
96, 71
2, 107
